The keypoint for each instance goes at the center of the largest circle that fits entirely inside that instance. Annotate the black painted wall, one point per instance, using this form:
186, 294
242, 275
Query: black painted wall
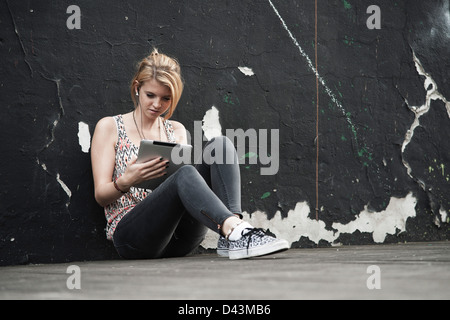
53, 78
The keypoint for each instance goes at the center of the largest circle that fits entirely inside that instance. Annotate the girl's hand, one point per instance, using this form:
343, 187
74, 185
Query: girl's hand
138, 172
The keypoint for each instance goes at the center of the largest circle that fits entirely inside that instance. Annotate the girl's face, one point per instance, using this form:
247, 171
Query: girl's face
154, 98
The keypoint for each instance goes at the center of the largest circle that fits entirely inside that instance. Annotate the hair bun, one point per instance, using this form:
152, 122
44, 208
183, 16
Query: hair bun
154, 53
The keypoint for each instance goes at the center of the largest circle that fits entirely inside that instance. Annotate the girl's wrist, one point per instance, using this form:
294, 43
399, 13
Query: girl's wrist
119, 187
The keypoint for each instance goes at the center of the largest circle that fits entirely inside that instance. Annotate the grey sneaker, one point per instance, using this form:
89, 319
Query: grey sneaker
222, 247
255, 242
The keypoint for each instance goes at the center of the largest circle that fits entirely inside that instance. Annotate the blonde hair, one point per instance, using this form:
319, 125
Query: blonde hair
164, 69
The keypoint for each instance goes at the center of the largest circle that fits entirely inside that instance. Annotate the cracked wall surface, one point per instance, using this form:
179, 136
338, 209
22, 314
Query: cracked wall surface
383, 114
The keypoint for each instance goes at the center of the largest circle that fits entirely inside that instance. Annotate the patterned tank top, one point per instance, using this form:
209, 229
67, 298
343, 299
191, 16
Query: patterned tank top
125, 151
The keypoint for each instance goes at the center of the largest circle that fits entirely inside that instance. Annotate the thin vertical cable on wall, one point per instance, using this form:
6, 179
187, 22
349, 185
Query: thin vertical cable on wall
317, 112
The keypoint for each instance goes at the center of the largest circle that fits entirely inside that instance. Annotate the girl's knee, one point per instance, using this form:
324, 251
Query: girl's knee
222, 140
186, 169
222, 151
187, 172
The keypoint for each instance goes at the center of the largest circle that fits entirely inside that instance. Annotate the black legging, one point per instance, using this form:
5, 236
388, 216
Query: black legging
172, 220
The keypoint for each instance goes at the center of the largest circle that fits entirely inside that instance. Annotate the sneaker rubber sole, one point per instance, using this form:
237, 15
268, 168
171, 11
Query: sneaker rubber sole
223, 253
275, 246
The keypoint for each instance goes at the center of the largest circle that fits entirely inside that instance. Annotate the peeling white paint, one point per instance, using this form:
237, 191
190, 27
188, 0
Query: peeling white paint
59, 115
444, 215
247, 71
380, 224
211, 124
291, 228
297, 223
42, 165
65, 188
84, 136
432, 94
58, 179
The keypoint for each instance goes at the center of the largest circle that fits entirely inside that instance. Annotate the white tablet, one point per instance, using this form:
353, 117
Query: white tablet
177, 154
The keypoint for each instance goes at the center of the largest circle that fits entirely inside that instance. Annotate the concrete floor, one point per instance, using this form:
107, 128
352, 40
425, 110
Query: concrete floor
404, 271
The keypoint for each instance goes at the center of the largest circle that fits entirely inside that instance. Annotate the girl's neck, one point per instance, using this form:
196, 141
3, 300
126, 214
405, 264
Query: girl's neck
146, 127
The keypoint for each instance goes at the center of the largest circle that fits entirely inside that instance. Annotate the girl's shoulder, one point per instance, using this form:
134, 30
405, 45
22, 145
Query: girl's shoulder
106, 124
178, 131
107, 128
176, 125
111, 123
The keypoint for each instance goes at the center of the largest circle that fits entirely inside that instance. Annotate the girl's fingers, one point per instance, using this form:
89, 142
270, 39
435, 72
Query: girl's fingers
156, 170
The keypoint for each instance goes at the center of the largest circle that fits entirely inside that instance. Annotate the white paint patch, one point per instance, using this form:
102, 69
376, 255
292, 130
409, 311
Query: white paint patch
295, 225
42, 165
64, 187
298, 224
291, 228
84, 136
432, 94
247, 71
58, 179
380, 224
444, 215
211, 124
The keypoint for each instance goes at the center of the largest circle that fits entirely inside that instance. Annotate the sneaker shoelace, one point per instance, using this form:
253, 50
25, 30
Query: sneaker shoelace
257, 232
